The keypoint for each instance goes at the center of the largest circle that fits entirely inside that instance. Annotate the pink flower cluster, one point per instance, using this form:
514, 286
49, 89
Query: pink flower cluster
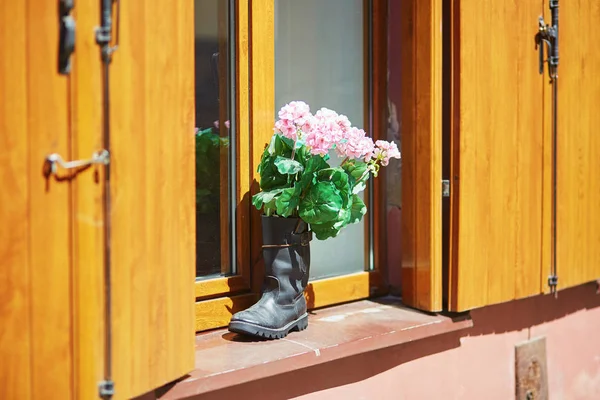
385, 151
328, 130
294, 117
357, 145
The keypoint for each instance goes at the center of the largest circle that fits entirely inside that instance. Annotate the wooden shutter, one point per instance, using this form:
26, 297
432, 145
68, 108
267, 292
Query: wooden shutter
497, 153
51, 235
35, 238
578, 163
421, 108
152, 105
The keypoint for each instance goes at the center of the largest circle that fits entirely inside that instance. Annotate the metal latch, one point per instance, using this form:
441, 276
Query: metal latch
548, 35
445, 188
54, 160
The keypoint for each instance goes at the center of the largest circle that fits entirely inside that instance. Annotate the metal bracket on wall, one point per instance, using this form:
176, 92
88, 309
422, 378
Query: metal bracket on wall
66, 45
548, 36
531, 370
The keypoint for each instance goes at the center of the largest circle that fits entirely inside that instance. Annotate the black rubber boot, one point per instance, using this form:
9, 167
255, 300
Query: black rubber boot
282, 307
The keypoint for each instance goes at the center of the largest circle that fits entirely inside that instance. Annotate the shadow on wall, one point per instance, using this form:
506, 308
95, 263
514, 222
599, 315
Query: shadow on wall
522, 314
512, 316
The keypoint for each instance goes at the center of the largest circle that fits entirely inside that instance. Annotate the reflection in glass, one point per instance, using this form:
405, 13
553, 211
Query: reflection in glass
319, 60
212, 72
393, 170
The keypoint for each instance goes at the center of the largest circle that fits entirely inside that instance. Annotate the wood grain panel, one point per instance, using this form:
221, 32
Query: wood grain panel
243, 156
421, 53
219, 286
87, 210
262, 112
48, 131
152, 84
217, 312
578, 163
15, 293
341, 289
498, 156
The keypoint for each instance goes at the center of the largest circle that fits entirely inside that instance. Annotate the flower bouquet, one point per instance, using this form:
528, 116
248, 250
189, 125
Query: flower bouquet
296, 179
300, 189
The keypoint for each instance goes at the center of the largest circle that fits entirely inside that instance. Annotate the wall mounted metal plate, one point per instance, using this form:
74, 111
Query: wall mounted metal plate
531, 372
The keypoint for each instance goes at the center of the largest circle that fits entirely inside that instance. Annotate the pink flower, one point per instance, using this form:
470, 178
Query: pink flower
356, 145
319, 140
293, 117
227, 124
343, 122
326, 121
385, 151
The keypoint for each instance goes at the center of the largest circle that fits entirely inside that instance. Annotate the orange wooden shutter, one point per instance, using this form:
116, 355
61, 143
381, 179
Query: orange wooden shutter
52, 243
35, 219
152, 105
421, 55
578, 162
497, 153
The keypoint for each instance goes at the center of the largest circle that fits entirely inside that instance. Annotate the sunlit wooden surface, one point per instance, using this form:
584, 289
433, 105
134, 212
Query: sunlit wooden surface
152, 82
578, 226
35, 236
88, 221
497, 153
262, 113
420, 46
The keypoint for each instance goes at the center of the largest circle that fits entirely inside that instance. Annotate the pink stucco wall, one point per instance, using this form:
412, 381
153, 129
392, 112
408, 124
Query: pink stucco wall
478, 363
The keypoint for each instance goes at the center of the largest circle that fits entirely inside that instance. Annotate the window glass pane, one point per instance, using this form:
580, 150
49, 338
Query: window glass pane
319, 59
213, 172
393, 173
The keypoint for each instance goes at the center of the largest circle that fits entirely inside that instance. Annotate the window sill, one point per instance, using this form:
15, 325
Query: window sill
224, 358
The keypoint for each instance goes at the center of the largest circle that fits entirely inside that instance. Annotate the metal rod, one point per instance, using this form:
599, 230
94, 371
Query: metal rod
107, 237
103, 38
554, 179
553, 58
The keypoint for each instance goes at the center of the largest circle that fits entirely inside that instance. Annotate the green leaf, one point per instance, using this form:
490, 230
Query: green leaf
356, 169
287, 203
360, 186
339, 178
321, 204
288, 166
358, 210
264, 197
288, 143
316, 163
279, 146
325, 231
270, 178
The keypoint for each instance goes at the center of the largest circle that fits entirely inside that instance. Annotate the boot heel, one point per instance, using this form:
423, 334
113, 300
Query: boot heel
302, 324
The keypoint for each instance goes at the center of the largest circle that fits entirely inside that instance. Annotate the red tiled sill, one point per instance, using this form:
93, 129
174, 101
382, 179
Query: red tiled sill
333, 333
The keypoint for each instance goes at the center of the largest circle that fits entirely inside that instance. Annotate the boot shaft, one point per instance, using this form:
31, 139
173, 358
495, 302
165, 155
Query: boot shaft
286, 253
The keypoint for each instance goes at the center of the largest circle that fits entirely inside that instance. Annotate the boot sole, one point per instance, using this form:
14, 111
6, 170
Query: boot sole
246, 328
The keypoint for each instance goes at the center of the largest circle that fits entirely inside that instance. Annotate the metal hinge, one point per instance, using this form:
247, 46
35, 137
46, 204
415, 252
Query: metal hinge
106, 389
553, 281
445, 188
